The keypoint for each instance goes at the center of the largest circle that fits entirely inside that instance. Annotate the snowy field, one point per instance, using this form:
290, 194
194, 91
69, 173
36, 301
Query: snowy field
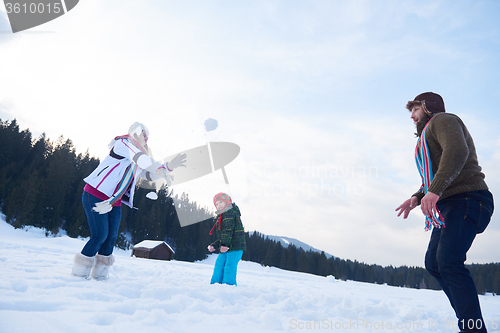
38, 294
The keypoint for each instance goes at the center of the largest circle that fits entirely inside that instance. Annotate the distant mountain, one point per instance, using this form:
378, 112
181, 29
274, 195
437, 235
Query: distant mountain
286, 241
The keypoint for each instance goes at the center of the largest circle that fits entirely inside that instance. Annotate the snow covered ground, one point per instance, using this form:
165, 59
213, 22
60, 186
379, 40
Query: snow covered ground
38, 294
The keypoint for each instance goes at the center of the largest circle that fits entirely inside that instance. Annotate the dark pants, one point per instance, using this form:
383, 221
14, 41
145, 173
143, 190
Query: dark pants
103, 227
465, 215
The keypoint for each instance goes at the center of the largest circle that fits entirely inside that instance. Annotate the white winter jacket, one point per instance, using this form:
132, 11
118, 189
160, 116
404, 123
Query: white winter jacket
106, 177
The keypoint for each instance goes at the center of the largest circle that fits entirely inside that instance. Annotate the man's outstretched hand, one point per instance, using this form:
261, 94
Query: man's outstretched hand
407, 206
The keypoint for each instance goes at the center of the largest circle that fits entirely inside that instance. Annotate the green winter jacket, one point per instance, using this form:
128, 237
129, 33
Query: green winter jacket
231, 233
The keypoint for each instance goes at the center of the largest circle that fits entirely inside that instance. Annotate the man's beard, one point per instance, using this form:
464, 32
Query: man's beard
421, 124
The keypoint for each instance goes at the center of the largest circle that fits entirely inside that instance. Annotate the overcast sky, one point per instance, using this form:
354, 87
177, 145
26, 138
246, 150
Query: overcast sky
313, 92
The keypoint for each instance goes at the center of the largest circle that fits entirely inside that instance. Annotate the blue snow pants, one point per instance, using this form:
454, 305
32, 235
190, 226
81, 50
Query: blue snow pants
465, 215
225, 267
103, 227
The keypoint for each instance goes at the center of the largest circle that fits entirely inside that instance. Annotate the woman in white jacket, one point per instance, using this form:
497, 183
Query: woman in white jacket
107, 187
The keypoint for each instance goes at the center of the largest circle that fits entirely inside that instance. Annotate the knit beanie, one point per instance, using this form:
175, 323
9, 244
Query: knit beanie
430, 102
223, 197
136, 128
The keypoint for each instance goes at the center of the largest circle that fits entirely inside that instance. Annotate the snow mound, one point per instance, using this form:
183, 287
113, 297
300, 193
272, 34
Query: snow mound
38, 294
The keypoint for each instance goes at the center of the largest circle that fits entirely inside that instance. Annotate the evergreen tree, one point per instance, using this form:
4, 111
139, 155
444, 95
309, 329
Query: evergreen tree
59, 184
323, 268
303, 264
273, 255
22, 204
292, 258
496, 282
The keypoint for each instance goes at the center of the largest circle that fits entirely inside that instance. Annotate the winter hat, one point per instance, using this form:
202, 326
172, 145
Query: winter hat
135, 131
430, 102
137, 128
223, 197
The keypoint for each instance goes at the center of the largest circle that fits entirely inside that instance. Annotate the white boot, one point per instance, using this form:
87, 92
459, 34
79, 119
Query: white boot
101, 268
82, 265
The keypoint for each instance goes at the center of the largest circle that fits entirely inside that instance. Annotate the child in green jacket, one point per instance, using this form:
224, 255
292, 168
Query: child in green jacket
230, 240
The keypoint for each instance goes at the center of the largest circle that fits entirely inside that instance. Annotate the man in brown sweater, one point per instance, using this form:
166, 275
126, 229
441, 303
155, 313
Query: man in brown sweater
455, 200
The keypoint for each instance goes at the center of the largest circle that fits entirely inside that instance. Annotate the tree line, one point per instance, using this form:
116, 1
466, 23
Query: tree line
41, 184
269, 252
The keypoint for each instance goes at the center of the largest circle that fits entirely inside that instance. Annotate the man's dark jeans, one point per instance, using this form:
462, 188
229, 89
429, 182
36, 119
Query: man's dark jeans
465, 215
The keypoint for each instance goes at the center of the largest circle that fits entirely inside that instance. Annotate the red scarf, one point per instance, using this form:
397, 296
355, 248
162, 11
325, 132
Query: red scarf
218, 221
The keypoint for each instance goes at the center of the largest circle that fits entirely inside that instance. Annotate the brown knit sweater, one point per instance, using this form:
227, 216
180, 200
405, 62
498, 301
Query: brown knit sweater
453, 155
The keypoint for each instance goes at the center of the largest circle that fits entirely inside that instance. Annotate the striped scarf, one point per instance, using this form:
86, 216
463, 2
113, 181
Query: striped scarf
424, 166
124, 184
106, 206
130, 172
